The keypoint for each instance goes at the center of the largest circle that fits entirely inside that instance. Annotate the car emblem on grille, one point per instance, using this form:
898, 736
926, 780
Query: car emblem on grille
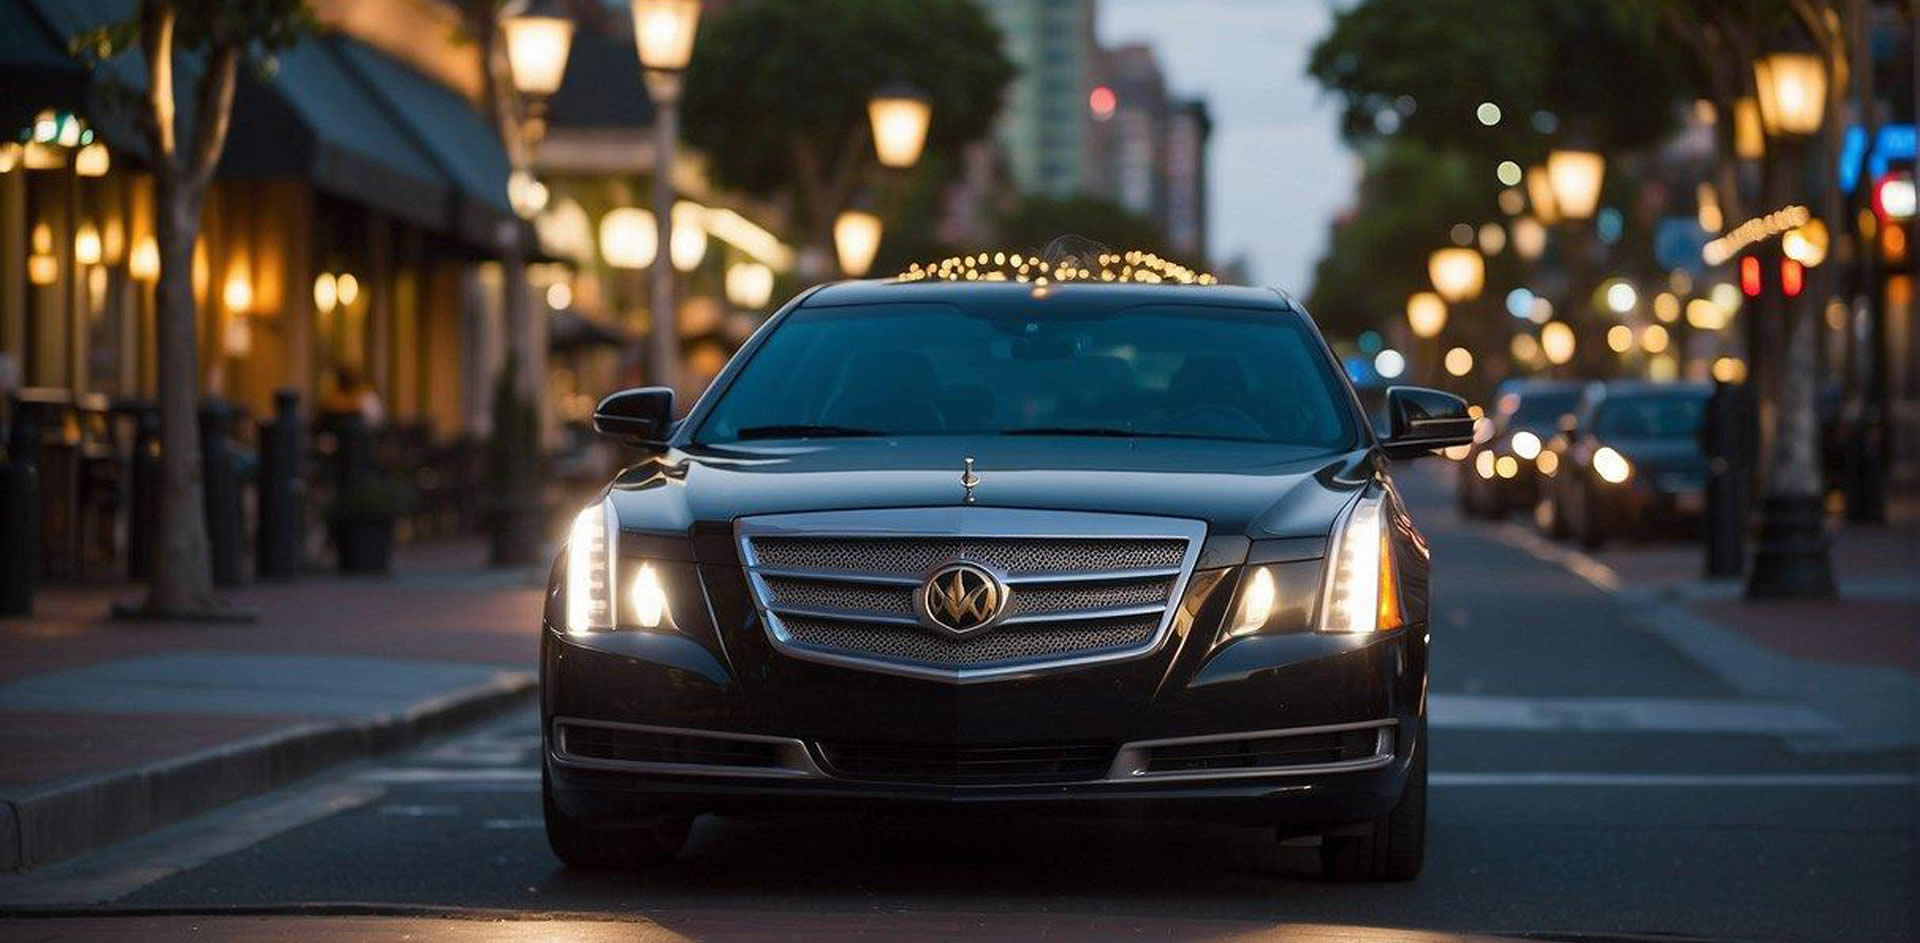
961, 599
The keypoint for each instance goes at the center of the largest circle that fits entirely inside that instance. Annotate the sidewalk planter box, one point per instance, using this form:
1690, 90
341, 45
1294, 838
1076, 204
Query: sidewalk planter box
362, 521
363, 544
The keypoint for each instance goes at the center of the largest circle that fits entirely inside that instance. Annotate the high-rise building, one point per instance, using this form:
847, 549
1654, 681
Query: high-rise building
1044, 128
1185, 211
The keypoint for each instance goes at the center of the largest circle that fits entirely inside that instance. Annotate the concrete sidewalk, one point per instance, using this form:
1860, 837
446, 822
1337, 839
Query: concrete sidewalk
110, 728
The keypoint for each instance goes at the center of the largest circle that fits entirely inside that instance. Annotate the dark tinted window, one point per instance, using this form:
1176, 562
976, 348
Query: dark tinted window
1544, 408
1650, 416
921, 369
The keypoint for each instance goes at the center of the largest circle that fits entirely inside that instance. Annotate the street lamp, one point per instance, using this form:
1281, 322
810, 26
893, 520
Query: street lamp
1540, 194
663, 33
1426, 314
1790, 557
628, 238
537, 46
1792, 89
856, 238
900, 114
1457, 273
1575, 177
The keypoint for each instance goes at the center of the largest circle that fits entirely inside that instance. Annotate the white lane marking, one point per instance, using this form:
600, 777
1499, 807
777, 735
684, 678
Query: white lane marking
1635, 714
408, 775
514, 823
1579, 564
119, 870
419, 811
1704, 780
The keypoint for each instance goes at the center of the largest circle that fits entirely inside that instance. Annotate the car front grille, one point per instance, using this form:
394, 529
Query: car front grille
840, 586
967, 766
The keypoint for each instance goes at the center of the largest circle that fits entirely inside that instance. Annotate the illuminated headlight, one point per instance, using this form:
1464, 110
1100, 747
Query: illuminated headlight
1257, 601
1506, 466
595, 578
1548, 463
1610, 465
1362, 594
1525, 444
591, 546
1483, 464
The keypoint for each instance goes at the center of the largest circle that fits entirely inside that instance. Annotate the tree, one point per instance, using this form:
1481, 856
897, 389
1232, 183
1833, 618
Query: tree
1038, 220
205, 42
777, 91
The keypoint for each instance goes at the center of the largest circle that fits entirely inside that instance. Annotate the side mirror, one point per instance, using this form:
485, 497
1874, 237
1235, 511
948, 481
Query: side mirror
1420, 421
640, 416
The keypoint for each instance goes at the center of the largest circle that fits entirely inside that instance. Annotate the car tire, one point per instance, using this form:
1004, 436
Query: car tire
642, 847
1397, 846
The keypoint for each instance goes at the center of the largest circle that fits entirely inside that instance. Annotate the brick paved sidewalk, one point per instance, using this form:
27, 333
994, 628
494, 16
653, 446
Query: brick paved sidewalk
333, 667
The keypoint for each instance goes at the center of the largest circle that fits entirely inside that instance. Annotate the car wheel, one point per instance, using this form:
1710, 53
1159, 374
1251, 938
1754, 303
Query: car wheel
1397, 846
637, 847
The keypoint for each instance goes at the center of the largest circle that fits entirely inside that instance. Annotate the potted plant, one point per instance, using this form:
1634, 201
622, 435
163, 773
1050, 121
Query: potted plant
361, 522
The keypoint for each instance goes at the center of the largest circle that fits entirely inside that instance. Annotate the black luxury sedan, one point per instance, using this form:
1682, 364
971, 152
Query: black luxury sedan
1628, 463
1079, 548
1499, 474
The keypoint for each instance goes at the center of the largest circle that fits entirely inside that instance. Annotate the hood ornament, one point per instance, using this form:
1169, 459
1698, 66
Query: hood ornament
969, 481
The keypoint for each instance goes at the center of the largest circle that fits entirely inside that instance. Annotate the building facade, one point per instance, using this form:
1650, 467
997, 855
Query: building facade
1045, 127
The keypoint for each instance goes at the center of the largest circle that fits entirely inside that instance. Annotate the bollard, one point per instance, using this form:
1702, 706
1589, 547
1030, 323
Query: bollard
143, 505
221, 483
19, 537
282, 440
1728, 441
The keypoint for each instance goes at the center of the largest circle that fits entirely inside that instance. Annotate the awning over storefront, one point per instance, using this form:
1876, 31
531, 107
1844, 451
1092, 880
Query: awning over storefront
352, 121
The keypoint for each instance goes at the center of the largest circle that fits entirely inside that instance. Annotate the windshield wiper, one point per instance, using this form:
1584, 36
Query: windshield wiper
805, 431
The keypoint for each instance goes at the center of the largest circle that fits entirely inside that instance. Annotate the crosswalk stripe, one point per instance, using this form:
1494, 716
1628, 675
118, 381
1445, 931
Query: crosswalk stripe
1707, 780
1625, 714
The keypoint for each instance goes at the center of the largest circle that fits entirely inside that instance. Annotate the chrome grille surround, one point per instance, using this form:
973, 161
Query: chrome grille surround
1084, 588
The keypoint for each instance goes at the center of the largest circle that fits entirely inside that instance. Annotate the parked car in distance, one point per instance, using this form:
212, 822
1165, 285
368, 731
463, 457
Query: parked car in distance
1628, 463
1499, 474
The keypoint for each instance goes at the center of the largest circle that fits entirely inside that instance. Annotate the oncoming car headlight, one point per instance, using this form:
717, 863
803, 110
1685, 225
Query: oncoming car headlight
1611, 465
1362, 591
594, 578
1525, 444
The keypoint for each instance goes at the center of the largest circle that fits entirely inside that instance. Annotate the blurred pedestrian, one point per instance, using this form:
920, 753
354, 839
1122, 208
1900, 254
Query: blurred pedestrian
352, 394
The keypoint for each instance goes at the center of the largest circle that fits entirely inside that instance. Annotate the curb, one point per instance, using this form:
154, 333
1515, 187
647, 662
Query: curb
76, 817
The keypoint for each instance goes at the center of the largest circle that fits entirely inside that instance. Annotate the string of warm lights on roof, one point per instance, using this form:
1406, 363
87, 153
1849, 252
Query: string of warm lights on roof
1134, 267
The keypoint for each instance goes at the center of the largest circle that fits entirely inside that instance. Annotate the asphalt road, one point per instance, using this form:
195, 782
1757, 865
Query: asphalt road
1589, 780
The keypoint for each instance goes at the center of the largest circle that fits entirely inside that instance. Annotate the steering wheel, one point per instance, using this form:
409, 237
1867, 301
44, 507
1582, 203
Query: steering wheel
1218, 419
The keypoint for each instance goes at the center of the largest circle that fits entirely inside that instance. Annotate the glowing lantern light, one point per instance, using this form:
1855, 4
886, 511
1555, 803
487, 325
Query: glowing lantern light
1576, 177
627, 238
1426, 314
899, 115
1457, 273
1557, 342
856, 239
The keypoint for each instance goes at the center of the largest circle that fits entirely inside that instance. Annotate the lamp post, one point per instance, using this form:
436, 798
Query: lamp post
1790, 557
663, 33
1571, 179
537, 47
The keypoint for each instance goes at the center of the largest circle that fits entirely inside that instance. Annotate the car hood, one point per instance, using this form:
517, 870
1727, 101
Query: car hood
1243, 489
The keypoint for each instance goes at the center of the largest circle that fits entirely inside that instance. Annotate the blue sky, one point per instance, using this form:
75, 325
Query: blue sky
1278, 171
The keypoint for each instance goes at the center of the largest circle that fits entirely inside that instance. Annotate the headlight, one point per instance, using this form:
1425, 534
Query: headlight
590, 554
1548, 463
1611, 465
1362, 593
1525, 444
1257, 599
1507, 466
1483, 464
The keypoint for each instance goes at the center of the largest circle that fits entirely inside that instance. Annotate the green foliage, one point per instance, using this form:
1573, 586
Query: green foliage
1377, 256
1604, 70
1038, 220
258, 27
771, 75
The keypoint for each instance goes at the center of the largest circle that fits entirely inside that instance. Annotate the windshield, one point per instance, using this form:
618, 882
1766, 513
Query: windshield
1188, 371
1650, 417
1544, 408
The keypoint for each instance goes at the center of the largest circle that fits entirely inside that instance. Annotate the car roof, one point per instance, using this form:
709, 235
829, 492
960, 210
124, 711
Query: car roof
1636, 387
1070, 295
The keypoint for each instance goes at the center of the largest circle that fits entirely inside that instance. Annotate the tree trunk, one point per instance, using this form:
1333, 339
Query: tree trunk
182, 569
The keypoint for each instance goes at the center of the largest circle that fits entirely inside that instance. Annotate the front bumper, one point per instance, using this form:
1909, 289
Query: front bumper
724, 678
